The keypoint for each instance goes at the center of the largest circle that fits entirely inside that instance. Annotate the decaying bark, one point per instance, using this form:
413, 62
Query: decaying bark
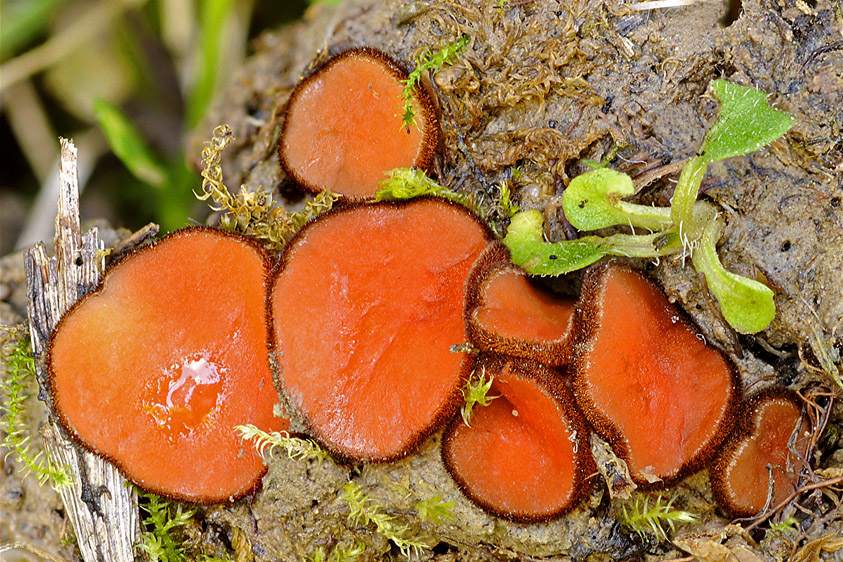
100, 504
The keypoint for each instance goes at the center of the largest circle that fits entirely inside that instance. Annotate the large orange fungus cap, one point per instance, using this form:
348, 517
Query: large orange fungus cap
156, 368
645, 378
344, 129
365, 307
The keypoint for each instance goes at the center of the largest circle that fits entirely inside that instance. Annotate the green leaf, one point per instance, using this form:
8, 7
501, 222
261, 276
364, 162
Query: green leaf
23, 22
593, 200
126, 142
748, 306
529, 250
212, 32
746, 122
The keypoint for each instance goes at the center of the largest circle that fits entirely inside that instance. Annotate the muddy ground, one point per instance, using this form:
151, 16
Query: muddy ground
541, 86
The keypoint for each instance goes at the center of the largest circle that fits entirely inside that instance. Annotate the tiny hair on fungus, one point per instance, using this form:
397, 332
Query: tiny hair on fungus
343, 128
365, 305
171, 351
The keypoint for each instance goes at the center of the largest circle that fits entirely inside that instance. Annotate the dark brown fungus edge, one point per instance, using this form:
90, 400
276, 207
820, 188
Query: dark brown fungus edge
430, 134
552, 384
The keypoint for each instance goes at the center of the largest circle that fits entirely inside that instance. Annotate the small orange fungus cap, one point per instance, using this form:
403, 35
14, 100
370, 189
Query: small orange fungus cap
156, 368
525, 456
740, 475
507, 313
645, 378
365, 307
344, 128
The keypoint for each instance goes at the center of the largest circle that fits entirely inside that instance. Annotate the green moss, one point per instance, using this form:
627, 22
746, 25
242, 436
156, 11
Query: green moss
427, 62
296, 447
253, 213
476, 391
644, 518
15, 389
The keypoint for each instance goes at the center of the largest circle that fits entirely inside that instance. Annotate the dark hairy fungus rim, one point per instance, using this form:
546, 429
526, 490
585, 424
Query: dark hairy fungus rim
428, 123
587, 319
550, 383
78, 439
495, 261
745, 427
446, 411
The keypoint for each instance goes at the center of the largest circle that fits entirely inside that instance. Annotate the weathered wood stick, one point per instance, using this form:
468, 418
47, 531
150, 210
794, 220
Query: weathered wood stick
101, 505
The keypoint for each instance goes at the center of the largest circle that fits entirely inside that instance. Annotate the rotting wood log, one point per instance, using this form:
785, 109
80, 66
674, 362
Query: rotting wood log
100, 504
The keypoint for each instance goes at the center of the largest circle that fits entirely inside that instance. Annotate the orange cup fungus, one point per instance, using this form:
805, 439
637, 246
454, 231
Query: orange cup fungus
365, 305
525, 456
344, 129
766, 449
645, 378
155, 368
508, 314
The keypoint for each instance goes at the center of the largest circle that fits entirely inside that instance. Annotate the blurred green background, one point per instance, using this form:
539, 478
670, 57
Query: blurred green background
127, 80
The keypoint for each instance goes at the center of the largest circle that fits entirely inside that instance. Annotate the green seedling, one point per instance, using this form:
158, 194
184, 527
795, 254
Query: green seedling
15, 388
643, 518
595, 200
432, 62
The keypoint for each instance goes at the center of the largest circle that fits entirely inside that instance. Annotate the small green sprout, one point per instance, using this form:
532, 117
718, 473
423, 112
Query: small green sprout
254, 214
504, 201
409, 183
789, 525
476, 391
340, 553
362, 510
643, 518
594, 200
435, 510
19, 366
432, 62
297, 448
162, 541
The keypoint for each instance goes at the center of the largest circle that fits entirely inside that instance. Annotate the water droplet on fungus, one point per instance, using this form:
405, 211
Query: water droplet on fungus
343, 128
365, 306
740, 475
171, 351
525, 456
506, 313
645, 381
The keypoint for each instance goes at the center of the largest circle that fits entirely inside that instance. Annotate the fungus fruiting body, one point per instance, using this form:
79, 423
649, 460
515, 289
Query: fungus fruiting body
506, 313
365, 305
525, 455
769, 449
344, 130
645, 378
155, 368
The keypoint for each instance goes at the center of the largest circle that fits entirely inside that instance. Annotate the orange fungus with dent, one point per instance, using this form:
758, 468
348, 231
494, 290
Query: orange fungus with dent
740, 475
646, 379
366, 305
525, 455
344, 129
156, 368
507, 313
